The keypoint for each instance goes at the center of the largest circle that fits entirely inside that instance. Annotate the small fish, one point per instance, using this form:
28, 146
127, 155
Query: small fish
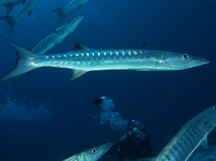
92, 154
97, 101
26, 9
143, 45
83, 60
190, 136
63, 10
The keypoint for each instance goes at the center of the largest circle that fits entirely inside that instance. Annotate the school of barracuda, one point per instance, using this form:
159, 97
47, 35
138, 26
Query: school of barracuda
84, 59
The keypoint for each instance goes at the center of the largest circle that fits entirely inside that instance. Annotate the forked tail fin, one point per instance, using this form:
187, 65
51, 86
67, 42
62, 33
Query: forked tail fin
24, 62
10, 21
61, 14
9, 8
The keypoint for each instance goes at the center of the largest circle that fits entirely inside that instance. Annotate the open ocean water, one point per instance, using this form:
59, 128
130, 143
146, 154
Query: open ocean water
49, 117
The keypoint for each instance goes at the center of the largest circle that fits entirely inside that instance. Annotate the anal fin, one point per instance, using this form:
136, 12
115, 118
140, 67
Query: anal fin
204, 143
77, 73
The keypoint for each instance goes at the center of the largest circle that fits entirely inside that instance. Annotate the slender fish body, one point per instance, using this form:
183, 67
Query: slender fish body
57, 36
63, 10
190, 136
26, 9
92, 154
73, 4
83, 59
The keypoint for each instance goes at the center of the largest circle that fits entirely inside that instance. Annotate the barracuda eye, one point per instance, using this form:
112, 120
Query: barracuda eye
184, 56
214, 108
69, 22
94, 151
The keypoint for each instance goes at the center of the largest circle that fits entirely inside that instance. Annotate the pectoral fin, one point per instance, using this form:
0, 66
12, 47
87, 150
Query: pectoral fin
57, 31
57, 43
157, 58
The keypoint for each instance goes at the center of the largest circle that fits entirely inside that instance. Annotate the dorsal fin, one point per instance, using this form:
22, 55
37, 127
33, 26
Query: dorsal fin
79, 46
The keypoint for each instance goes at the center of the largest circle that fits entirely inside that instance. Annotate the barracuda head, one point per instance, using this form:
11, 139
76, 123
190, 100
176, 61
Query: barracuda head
67, 28
92, 154
71, 25
180, 61
211, 112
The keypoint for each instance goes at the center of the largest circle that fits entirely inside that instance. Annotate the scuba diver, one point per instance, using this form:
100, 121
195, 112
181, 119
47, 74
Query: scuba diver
133, 145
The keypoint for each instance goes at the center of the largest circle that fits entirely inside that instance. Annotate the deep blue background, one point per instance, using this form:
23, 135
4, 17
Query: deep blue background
182, 25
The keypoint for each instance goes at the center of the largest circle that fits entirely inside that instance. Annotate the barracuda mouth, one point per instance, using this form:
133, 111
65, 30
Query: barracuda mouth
105, 148
198, 61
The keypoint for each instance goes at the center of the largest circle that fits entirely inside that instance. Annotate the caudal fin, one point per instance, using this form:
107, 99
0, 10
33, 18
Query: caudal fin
61, 14
9, 8
10, 21
23, 63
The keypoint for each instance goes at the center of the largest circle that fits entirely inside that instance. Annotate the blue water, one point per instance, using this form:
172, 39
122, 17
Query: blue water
61, 121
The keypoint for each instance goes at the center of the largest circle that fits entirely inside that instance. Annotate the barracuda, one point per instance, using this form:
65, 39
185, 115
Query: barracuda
26, 9
190, 136
92, 154
83, 60
63, 10
57, 36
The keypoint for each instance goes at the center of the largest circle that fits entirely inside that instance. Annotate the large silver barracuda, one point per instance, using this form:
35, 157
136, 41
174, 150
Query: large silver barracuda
82, 60
63, 10
92, 154
190, 136
57, 36
26, 9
